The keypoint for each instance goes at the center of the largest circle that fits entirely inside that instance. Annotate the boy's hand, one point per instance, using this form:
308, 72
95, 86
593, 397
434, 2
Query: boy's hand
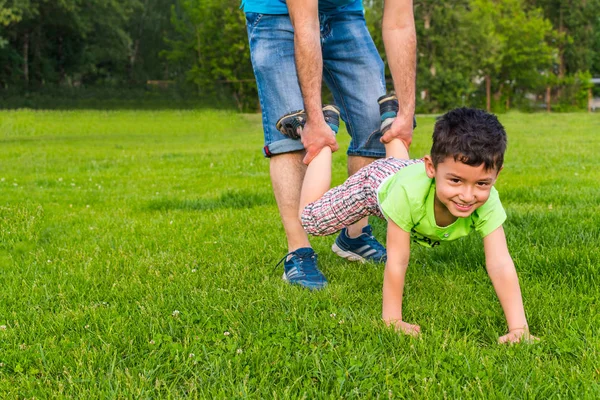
518, 336
406, 328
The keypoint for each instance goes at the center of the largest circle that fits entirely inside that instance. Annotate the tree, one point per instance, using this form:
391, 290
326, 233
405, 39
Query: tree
53, 40
211, 42
510, 46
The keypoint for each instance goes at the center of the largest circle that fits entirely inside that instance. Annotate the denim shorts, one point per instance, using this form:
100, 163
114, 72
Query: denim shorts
352, 70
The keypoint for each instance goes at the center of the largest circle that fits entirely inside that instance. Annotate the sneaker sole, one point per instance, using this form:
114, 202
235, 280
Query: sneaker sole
332, 108
385, 98
348, 255
281, 120
286, 280
292, 114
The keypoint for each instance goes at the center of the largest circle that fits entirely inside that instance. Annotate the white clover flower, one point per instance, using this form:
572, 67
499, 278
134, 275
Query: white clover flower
239, 351
226, 333
176, 313
191, 355
332, 315
2, 327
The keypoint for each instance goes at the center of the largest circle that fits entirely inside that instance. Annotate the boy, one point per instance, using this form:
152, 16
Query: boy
428, 201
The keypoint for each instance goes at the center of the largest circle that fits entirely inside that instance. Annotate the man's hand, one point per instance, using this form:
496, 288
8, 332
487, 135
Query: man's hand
401, 128
517, 336
405, 327
315, 137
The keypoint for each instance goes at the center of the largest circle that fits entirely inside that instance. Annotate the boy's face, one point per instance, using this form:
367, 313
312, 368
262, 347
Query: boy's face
460, 188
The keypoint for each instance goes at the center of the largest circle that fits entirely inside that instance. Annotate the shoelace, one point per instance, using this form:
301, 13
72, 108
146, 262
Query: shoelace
300, 262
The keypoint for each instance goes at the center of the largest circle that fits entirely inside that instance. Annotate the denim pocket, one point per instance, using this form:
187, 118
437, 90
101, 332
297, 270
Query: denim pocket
252, 19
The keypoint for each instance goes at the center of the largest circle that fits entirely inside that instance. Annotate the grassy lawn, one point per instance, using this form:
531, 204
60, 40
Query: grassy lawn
138, 253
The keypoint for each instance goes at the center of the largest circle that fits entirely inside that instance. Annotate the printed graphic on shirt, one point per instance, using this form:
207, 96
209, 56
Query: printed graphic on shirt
416, 237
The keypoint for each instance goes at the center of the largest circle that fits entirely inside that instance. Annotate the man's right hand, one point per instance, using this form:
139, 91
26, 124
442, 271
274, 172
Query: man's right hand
401, 128
315, 136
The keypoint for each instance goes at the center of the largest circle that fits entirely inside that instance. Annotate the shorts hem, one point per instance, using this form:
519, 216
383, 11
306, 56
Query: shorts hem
369, 154
282, 147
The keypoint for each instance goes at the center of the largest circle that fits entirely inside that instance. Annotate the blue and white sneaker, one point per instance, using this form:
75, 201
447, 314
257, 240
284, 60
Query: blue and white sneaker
300, 268
362, 248
388, 109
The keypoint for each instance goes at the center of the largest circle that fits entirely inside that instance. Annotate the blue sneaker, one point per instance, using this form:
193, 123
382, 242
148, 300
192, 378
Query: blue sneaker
362, 248
300, 268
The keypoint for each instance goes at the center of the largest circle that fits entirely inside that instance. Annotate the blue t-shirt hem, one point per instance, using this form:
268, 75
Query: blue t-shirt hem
280, 8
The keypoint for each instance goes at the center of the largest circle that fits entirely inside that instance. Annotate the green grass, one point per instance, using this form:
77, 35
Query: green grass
138, 252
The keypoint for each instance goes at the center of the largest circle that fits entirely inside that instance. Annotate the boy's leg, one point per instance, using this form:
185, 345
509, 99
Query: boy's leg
388, 109
349, 202
397, 149
317, 179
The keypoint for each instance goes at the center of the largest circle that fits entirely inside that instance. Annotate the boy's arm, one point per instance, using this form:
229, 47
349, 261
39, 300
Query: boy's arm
504, 278
398, 254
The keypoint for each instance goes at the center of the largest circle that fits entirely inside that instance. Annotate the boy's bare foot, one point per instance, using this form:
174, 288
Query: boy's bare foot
405, 327
518, 336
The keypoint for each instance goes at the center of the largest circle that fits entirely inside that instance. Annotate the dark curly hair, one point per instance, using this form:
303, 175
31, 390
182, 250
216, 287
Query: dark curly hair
471, 136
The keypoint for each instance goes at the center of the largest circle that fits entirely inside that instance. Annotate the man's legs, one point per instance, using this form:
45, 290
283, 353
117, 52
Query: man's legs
271, 40
287, 174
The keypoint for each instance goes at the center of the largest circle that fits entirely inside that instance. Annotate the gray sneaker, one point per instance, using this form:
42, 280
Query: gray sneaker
291, 124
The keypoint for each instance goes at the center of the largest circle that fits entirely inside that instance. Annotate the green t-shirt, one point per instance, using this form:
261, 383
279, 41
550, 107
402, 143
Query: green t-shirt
407, 198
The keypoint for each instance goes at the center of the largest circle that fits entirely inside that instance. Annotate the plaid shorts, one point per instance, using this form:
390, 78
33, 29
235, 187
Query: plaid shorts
353, 200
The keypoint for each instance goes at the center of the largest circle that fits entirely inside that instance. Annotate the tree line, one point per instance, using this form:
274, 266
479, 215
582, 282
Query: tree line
499, 54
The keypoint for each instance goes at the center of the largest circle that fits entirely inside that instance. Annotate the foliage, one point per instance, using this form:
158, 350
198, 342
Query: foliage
212, 43
200, 47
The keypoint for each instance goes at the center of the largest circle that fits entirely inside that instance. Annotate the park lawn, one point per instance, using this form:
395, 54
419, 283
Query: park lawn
138, 255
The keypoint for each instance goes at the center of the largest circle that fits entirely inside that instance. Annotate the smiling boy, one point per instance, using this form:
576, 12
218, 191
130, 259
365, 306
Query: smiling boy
442, 197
